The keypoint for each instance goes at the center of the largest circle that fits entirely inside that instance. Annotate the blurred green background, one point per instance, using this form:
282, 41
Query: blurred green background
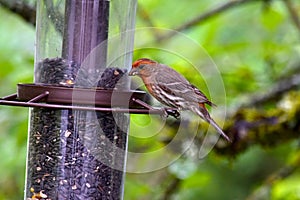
254, 45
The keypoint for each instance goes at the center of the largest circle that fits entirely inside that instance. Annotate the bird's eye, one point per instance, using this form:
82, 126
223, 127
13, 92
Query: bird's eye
141, 66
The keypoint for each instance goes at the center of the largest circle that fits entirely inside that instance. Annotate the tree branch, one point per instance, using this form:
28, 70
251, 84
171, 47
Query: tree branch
267, 128
293, 13
28, 13
283, 173
248, 126
171, 189
205, 16
275, 93
21, 8
144, 15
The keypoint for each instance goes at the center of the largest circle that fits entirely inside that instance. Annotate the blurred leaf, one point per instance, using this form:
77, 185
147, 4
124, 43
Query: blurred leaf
287, 189
271, 18
253, 46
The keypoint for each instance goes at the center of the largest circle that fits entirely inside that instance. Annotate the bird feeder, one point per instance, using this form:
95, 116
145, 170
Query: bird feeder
78, 153
80, 99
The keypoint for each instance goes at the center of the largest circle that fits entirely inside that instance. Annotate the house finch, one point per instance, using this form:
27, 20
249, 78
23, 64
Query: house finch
172, 89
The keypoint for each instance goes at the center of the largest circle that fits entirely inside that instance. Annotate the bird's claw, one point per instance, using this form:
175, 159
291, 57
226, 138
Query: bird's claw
170, 112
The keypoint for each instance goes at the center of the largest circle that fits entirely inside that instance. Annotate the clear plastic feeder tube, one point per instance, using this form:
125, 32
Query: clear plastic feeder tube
80, 154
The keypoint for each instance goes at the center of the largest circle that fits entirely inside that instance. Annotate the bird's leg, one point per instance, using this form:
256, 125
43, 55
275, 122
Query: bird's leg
164, 114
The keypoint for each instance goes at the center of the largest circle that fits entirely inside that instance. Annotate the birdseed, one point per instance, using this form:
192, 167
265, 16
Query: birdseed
75, 154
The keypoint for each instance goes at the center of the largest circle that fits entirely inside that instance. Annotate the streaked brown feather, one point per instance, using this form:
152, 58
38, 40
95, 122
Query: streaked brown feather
172, 89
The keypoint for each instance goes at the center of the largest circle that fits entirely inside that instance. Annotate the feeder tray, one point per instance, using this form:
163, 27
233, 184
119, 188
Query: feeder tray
61, 97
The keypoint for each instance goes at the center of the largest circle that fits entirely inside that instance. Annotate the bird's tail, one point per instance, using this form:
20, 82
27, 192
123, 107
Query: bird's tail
217, 127
203, 113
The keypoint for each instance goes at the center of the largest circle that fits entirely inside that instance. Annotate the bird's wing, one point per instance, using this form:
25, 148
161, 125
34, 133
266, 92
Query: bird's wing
201, 97
174, 83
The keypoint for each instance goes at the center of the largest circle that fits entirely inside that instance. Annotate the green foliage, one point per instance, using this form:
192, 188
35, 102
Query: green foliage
16, 65
287, 189
253, 46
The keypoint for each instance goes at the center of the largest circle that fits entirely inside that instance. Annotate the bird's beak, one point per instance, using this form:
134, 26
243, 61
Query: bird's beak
133, 72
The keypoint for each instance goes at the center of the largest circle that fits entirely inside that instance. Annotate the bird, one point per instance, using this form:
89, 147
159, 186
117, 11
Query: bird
172, 89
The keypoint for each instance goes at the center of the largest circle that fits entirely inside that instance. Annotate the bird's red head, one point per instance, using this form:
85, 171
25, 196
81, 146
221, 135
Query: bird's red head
142, 61
138, 67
